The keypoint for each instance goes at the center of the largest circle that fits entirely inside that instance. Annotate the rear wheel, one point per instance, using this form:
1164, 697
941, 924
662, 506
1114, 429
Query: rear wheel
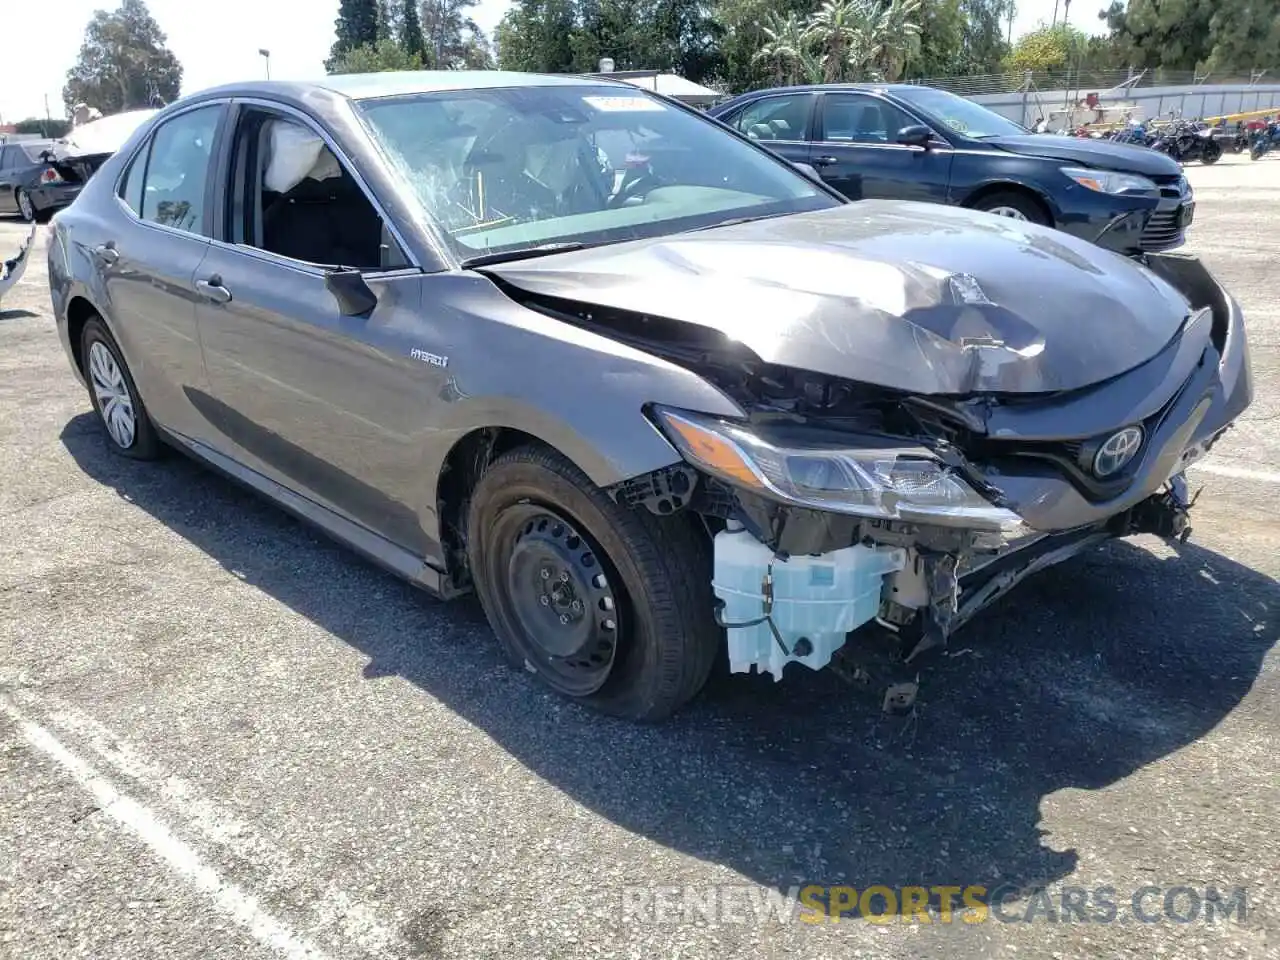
1015, 205
115, 397
26, 208
606, 605
1212, 152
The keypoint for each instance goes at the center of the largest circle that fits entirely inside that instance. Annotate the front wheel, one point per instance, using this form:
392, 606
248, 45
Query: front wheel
1256, 151
1015, 206
604, 604
1211, 153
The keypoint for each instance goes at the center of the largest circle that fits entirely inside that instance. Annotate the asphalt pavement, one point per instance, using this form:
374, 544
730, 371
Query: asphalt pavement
223, 736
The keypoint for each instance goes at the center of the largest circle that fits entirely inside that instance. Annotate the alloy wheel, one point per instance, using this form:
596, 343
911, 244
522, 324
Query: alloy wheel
1013, 213
25, 206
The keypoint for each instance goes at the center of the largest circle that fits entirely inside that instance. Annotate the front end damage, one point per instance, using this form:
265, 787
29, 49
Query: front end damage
12, 268
841, 511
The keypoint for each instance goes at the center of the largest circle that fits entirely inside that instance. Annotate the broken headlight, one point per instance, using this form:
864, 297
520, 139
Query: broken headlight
874, 478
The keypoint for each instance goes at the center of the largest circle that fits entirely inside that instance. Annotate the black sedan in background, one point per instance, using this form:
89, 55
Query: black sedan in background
904, 141
32, 184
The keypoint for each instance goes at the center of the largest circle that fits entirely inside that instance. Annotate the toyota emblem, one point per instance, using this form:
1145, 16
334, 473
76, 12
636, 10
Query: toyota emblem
1117, 451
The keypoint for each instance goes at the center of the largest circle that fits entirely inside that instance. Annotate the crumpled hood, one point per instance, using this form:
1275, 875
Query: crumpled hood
920, 297
1103, 154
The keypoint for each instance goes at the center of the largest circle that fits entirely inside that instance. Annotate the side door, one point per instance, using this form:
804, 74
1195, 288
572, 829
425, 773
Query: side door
310, 387
782, 122
856, 151
145, 254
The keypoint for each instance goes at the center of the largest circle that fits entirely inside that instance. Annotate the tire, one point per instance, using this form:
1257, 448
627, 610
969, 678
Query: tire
26, 206
1256, 151
645, 638
115, 399
1020, 206
1210, 153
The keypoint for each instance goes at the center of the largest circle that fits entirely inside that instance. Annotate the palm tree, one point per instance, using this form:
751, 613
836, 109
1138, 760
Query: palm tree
784, 47
898, 30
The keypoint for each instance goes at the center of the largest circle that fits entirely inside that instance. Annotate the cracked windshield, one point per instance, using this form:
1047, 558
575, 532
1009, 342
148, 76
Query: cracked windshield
513, 169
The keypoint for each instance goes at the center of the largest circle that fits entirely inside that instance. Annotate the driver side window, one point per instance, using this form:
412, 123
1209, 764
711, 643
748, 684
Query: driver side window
853, 118
291, 196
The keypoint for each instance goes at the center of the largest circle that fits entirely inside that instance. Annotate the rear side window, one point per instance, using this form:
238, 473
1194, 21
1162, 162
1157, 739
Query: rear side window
131, 189
176, 171
784, 117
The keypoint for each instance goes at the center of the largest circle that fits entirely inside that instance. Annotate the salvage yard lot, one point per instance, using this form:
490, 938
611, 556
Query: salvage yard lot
223, 736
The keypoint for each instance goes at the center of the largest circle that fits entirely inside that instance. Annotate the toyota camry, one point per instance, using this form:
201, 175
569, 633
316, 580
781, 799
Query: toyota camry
651, 392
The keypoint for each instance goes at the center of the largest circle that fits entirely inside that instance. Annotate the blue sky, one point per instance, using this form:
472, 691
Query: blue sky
219, 42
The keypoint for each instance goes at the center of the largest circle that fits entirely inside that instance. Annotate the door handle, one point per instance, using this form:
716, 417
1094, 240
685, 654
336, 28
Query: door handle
212, 289
107, 252
825, 161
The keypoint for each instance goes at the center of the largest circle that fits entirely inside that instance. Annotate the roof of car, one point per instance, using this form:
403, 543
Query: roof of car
889, 88
365, 86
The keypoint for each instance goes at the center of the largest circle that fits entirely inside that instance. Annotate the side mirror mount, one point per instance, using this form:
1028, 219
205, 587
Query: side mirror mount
915, 135
354, 297
807, 170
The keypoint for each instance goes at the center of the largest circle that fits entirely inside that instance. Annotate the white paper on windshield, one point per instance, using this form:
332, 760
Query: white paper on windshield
624, 104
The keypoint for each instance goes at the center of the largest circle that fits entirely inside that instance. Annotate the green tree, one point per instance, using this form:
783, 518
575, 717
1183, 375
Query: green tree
985, 32
1174, 34
356, 26
383, 56
942, 39
786, 50
52, 129
537, 36
1045, 49
453, 41
897, 32
123, 63
410, 29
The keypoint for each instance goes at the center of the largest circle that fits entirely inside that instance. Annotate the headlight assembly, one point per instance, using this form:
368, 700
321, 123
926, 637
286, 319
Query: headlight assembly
1109, 181
876, 478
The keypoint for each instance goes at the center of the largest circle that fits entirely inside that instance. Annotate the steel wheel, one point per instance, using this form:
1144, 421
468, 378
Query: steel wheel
606, 604
560, 596
114, 403
26, 209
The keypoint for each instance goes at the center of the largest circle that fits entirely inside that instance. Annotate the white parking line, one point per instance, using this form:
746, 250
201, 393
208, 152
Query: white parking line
332, 907
1238, 473
240, 905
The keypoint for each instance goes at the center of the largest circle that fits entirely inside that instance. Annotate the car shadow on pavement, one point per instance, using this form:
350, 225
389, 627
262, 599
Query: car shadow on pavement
1081, 677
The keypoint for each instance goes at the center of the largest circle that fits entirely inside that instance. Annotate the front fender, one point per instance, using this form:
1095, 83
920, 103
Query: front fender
575, 390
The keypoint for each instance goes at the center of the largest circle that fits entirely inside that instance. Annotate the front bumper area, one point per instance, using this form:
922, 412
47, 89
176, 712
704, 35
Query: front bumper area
1132, 227
929, 581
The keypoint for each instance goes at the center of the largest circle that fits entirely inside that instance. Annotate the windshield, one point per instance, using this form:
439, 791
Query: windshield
963, 116
511, 169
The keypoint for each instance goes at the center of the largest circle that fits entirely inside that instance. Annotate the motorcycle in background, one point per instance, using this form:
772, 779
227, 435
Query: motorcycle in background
1186, 141
1264, 140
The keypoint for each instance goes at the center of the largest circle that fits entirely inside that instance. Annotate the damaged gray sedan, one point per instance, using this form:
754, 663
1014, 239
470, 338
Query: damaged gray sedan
649, 391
